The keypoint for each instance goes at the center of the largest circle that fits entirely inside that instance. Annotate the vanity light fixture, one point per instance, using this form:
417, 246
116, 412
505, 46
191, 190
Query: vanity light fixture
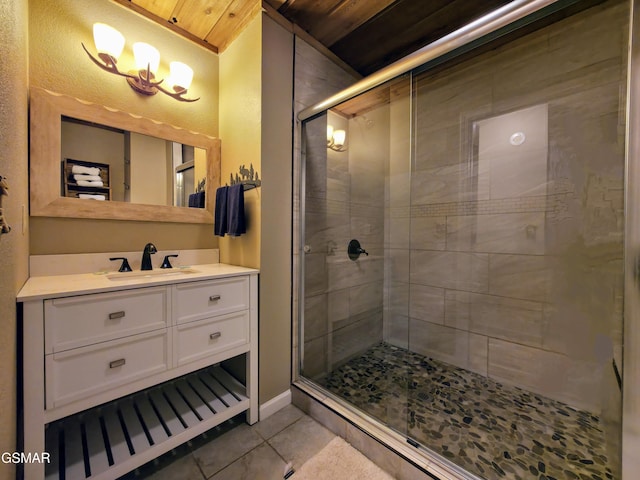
109, 44
336, 139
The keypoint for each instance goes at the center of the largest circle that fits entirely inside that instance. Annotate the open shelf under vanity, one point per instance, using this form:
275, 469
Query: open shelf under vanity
112, 439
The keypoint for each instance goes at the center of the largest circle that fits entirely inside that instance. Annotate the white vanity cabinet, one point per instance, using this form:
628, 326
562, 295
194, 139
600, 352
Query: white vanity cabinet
83, 320
115, 374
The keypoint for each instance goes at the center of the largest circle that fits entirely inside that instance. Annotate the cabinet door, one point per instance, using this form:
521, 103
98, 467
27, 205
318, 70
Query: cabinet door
203, 338
198, 300
88, 319
82, 372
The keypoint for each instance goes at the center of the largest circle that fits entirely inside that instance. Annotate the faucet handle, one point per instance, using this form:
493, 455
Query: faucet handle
125, 267
166, 263
354, 250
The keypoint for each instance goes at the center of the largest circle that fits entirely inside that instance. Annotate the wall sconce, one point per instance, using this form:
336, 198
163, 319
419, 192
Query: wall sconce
336, 139
109, 44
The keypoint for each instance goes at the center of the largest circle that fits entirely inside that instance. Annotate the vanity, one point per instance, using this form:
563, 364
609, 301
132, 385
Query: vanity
119, 368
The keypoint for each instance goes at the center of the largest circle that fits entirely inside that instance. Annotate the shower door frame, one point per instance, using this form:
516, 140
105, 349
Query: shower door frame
631, 327
502, 20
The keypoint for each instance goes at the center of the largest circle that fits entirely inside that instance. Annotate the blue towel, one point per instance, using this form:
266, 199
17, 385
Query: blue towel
220, 224
198, 199
236, 225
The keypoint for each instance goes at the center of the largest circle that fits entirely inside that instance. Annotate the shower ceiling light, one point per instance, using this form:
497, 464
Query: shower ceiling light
109, 44
517, 139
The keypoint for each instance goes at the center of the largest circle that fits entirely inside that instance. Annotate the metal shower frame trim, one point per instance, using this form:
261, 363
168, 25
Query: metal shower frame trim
506, 16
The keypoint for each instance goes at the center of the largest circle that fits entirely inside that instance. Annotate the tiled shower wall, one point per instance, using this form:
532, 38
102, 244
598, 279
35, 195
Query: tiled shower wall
509, 263
344, 201
327, 214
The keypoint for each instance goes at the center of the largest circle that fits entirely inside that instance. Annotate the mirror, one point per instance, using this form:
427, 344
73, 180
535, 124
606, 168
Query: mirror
129, 166
182, 163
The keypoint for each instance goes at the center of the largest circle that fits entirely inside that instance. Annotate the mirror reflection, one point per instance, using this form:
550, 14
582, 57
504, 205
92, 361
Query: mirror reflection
109, 164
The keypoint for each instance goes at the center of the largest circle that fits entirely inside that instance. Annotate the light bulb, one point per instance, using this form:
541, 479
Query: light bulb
329, 134
180, 76
339, 136
109, 42
146, 56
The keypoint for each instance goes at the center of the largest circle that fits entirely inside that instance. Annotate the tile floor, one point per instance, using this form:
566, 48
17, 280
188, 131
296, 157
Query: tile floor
237, 451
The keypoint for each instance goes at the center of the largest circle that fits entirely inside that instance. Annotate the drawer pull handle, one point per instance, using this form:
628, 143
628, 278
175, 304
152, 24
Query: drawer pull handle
214, 298
115, 315
215, 335
117, 363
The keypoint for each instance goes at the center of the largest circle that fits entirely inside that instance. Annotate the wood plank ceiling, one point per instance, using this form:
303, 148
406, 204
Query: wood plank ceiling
366, 34
211, 23
370, 34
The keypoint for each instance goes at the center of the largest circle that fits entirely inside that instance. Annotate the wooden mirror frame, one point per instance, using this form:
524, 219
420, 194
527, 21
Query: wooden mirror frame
46, 112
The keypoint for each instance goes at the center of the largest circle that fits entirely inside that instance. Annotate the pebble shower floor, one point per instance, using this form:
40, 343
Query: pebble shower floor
492, 430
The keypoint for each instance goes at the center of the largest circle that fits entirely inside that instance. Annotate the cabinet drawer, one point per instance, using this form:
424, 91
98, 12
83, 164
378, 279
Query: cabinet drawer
196, 340
199, 300
83, 372
88, 319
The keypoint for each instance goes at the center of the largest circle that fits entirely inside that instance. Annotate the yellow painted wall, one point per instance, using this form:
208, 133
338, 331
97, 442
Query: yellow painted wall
200, 165
57, 62
240, 131
256, 84
14, 253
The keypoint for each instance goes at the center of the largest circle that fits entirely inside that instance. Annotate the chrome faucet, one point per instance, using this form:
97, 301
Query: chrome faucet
149, 249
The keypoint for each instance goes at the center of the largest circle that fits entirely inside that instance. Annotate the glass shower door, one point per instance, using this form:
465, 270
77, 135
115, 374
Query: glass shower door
516, 277
356, 191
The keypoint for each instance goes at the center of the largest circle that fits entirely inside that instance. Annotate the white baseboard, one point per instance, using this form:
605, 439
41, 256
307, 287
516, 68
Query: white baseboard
276, 403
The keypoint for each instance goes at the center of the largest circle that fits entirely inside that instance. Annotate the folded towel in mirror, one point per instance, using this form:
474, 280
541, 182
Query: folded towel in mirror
85, 170
84, 183
87, 178
89, 196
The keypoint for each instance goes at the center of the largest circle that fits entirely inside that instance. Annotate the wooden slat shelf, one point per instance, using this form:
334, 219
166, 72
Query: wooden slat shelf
113, 439
72, 189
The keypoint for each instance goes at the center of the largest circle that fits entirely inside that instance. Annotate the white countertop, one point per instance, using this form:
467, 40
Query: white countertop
53, 286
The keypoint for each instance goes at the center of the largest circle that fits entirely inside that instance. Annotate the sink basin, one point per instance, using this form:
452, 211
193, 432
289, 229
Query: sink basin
136, 275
